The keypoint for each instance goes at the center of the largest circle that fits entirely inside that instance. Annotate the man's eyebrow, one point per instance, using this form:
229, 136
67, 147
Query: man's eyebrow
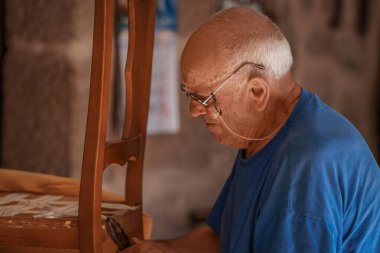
195, 93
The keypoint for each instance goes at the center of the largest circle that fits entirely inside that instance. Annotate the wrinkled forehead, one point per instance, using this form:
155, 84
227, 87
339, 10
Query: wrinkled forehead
198, 79
203, 72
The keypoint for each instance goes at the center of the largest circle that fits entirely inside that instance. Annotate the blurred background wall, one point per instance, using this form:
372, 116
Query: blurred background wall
45, 72
45, 82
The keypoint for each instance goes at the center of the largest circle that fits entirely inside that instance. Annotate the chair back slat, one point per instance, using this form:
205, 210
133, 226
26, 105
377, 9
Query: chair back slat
138, 71
90, 233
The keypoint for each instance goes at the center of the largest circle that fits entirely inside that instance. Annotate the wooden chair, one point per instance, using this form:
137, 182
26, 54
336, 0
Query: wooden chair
87, 231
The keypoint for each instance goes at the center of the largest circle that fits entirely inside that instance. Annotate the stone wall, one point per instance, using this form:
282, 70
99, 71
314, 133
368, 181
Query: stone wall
45, 83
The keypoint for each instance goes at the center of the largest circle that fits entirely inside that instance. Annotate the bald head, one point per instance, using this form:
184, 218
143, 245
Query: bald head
234, 36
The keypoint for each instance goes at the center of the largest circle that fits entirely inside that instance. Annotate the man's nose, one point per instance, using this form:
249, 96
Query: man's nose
196, 109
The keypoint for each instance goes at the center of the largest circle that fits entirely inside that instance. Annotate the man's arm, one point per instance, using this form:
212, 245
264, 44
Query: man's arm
199, 240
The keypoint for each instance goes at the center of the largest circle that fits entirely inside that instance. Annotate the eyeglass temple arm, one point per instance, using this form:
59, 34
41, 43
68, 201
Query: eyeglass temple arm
217, 89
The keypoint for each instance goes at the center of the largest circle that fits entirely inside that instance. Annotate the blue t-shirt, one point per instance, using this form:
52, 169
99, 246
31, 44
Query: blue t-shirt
315, 187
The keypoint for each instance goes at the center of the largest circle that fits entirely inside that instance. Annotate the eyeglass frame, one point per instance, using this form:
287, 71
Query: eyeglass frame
205, 102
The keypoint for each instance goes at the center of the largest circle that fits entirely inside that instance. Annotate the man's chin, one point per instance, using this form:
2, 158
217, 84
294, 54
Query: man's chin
226, 139
219, 134
221, 138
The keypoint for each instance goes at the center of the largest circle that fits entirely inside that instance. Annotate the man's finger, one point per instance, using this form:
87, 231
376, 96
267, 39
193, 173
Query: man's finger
136, 240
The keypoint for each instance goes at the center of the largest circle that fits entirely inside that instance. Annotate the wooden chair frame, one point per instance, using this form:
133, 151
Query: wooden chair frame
87, 232
97, 153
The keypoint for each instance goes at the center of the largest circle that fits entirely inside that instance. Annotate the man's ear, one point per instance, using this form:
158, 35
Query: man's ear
259, 92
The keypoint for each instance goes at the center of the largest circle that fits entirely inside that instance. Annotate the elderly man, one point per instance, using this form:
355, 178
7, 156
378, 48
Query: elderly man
304, 180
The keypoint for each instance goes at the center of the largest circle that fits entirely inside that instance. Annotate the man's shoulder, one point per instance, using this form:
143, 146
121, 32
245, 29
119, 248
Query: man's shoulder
320, 132
321, 150
318, 150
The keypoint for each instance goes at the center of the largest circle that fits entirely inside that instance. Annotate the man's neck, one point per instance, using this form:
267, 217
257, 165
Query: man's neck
279, 115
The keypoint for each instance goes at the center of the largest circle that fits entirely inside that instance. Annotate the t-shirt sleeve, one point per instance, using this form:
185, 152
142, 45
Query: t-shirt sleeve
215, 217
290, 232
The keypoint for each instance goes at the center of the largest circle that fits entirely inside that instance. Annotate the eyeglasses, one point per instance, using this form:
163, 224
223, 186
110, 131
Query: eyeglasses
205, 101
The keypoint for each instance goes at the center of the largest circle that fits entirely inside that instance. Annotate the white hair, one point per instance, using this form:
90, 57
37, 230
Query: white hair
255, 38
274, 54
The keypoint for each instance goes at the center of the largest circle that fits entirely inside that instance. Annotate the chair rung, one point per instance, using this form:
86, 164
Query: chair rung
122, 151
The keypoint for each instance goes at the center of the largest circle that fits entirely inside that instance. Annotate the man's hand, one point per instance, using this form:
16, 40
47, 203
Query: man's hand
199, 240
149, 247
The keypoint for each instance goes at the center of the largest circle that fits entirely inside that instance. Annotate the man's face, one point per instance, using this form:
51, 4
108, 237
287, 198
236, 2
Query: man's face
230, 100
